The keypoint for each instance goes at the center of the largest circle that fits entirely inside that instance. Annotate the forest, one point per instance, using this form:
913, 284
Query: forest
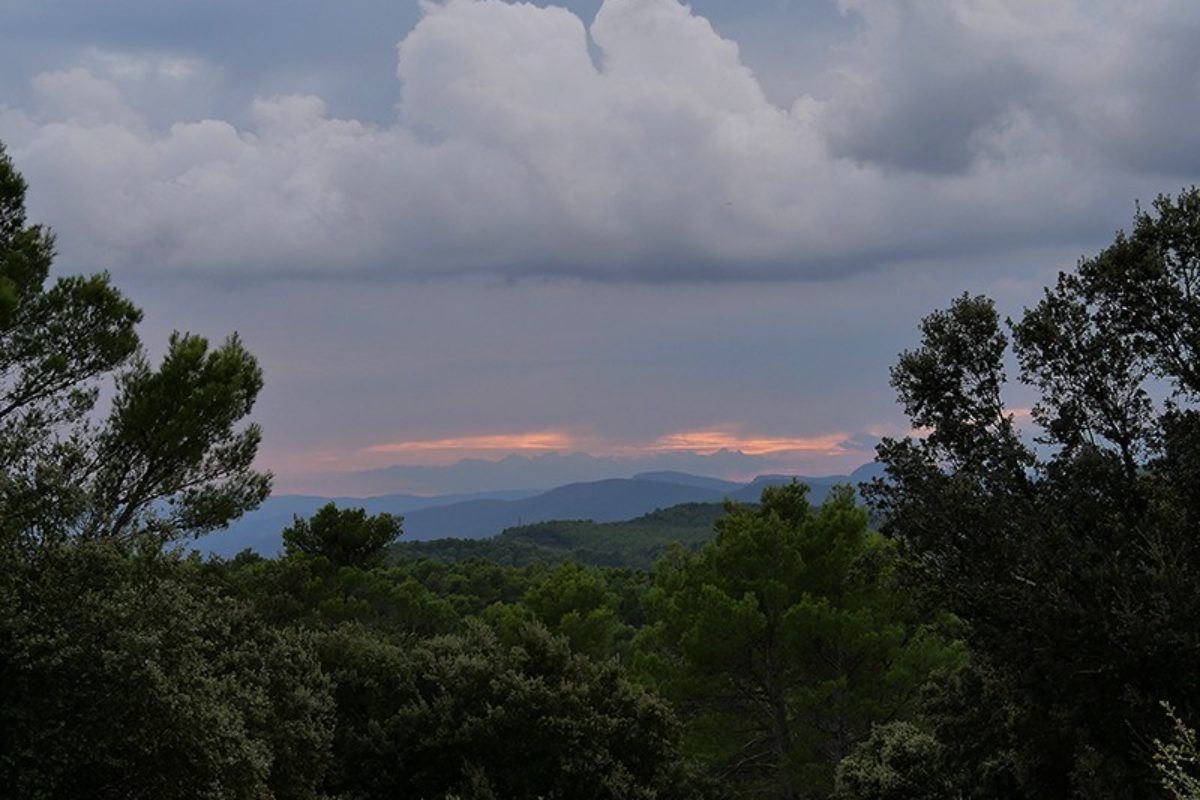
1003, 615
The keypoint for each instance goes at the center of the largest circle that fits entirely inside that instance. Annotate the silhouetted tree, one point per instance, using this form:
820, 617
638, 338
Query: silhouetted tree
167, 461
347, 537
1072, 562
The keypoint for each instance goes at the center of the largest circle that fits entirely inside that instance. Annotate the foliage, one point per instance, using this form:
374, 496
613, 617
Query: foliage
1178, 761
171, 437
466, 714
346, 537
899, 761
124, 676
576, 602
636, 543
785, 641
1072, 563
122, 672
166, 461
309, 592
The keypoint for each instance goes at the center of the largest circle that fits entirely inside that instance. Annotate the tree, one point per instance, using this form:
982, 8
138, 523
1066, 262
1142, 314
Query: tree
899, 761
346, 537
128, 676
122, 674
784, 641
1177, 760
1072, 561
310, 593
168, 459
575, 602
465, 715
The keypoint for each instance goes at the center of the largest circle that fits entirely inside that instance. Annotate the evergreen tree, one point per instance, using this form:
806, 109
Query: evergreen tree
1072, 563
169, 460
345, 537
785, 640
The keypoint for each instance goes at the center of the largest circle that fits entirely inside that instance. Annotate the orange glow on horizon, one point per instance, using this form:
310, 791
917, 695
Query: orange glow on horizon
537, 440
699, 441
712, 441
309, 470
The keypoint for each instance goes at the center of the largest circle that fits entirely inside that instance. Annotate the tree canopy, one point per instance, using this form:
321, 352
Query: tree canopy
346, 537
787, 641
1071, 558
125, 676
467, 715
169, 459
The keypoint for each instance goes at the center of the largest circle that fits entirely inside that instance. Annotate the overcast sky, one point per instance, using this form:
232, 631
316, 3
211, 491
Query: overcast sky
629, 227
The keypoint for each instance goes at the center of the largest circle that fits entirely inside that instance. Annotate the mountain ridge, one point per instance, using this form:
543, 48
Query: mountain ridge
485, 514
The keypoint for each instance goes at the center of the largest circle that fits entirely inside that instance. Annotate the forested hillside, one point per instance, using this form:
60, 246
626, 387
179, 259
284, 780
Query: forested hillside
636, 543
485, 514
1024, 624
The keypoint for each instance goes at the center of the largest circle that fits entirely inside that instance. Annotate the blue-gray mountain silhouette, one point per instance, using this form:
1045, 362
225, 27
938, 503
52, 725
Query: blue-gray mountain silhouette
482, 515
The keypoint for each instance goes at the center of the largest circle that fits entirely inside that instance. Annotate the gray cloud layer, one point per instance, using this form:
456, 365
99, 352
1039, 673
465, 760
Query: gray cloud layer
948, 86
945, 127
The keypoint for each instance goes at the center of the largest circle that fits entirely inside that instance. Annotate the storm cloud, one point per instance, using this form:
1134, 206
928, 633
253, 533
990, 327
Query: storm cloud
640, 148
624, 227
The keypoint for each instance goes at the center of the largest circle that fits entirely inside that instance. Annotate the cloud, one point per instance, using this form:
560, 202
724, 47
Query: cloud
923, 88
943, 87
700, 442
713, 441
536, 441
956, 127
78, 98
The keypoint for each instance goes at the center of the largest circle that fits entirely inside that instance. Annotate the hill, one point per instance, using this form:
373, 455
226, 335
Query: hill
488, 514
634, 543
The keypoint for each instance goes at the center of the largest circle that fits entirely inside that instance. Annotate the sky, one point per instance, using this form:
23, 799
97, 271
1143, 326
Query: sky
655, 233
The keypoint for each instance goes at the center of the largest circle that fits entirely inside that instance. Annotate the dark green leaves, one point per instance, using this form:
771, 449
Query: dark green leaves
171, 437
169, 461
1070, 565
346, 537
785, 639
465, 715
128, 677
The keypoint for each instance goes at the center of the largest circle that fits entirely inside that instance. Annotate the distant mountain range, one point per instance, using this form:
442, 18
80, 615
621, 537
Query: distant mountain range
477, 516
546, 471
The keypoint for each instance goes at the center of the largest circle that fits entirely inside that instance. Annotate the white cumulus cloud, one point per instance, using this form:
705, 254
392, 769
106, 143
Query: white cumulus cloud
516, 152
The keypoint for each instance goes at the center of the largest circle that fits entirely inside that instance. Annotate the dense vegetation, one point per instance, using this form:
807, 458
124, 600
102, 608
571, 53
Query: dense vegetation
1024, 625
636, 543
1073, 562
